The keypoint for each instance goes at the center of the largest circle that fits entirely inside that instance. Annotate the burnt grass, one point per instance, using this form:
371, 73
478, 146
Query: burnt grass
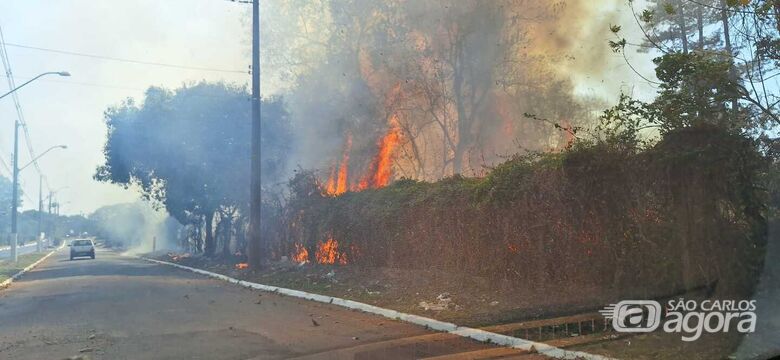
540, 236
475, 301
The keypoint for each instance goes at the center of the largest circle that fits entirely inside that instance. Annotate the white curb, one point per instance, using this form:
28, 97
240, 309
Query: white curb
8, 281
476, 334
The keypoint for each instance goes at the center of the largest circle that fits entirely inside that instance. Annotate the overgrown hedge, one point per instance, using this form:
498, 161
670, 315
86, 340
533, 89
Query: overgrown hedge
682, 213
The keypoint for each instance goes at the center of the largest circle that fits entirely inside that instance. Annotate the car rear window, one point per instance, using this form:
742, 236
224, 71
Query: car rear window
82, 243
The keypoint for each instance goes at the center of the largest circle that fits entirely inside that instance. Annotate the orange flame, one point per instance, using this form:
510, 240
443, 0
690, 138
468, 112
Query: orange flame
381, 170
301, 254
242, 266
337, 182
328, 253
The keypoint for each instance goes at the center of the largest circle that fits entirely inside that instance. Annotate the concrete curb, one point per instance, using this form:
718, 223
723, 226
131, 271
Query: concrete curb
10, 280
476, 334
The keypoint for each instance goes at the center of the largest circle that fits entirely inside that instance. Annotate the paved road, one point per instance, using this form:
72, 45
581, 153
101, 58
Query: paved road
5, 251
122, 308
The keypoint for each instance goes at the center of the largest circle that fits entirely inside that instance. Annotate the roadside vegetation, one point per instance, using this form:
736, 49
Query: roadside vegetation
9, 268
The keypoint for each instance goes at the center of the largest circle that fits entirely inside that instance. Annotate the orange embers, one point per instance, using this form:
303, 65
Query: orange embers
176, 257
514, 249
301, 255
242, 266
327, 253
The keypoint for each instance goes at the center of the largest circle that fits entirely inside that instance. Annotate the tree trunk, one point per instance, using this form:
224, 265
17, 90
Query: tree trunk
462, 126
210, 245
227, 229
683, 32
724, 17
700, 26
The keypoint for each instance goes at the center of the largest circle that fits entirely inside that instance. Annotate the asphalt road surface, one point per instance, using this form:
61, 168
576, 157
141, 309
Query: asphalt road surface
116, 307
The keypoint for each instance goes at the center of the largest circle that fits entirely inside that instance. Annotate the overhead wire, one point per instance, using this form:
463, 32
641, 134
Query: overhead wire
18, 107
125, 60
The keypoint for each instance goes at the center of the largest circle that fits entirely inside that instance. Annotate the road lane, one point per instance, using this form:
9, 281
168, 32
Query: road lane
116, 307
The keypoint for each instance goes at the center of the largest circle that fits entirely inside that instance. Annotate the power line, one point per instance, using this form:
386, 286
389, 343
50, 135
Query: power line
99, 85
131, 61
22, 122
107, 86
5, 166
17, 104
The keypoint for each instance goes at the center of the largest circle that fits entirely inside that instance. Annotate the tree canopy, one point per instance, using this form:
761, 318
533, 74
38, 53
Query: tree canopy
188, 149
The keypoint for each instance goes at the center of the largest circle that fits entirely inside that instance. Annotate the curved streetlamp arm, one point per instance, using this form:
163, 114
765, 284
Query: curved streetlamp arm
60, 73
43, 153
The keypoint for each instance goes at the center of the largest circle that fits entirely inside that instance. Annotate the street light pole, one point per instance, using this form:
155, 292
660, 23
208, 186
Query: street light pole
15, 191
256, 247
17, 169
40, 212
60, 73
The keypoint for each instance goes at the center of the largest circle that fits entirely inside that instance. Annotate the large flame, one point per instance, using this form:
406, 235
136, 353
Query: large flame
379, 172
337, 182
381, 169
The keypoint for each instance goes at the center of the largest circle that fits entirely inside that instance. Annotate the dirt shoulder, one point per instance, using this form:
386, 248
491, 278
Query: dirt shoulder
8, 268
465, 300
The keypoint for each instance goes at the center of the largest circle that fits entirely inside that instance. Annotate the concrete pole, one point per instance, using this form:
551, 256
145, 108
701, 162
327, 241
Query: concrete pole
15, 192
40, 213
256, 249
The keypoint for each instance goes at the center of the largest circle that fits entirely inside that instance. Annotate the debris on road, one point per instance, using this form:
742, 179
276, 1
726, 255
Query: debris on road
443, 302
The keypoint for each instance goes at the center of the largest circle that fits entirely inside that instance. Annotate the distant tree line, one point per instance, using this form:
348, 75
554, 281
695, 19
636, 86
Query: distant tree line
52, 225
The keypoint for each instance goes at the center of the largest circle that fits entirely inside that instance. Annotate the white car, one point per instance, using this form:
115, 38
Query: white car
82, 247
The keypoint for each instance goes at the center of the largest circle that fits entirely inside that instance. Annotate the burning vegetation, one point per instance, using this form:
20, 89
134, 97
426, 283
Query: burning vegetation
327, 253
599, 208
379, 172
422, 90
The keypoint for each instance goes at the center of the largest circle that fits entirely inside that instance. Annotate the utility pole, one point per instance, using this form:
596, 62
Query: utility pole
256, 247
48, 219
54, 218
15, 192
40, 211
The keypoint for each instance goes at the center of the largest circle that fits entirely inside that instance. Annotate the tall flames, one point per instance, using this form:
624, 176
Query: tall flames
380, 170
337, 182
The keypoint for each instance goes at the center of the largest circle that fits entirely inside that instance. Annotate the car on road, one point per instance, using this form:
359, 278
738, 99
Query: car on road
82, 247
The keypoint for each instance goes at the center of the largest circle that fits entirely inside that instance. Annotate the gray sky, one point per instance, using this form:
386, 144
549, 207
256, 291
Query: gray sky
200, 33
